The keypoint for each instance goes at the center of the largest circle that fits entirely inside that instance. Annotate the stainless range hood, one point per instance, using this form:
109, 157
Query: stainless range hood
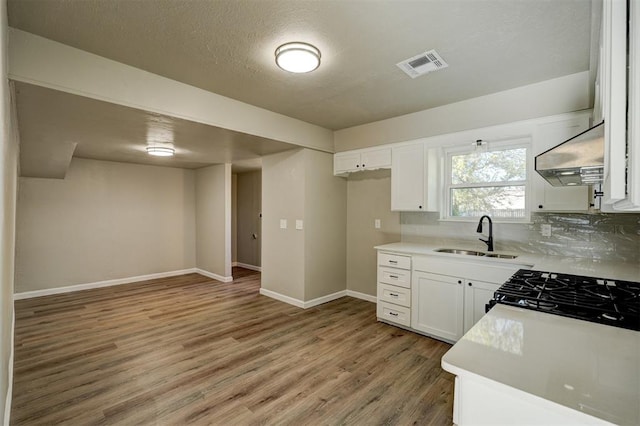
577, 161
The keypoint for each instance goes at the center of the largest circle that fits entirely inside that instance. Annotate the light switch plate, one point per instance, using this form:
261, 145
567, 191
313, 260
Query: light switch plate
298, 224
283, 223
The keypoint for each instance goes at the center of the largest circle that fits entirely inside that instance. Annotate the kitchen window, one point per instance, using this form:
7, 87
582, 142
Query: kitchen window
487, 178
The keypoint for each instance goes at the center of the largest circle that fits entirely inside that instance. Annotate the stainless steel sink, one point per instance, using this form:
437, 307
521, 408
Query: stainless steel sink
456, 251
476, 253
501, 256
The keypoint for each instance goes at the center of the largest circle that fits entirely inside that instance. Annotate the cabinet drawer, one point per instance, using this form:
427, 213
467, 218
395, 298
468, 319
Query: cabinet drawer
394, 276
394, 294
394, 260
394, 313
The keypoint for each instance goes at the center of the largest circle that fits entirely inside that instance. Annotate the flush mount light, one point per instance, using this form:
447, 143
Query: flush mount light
298, 57
160, 151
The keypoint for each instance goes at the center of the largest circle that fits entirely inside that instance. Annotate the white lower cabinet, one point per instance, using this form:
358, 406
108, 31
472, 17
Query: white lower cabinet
476, 296
438, 296
479, 401
394, 288
446, 306
393, 294
394, 313
438, 305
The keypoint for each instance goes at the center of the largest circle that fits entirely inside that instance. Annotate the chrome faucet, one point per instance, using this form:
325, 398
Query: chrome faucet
489, 241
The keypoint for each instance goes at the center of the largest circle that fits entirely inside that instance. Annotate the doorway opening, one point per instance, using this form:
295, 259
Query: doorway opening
246, 222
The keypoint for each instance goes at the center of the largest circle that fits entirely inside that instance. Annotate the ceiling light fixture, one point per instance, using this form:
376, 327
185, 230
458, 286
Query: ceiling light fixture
160, 151
298, 57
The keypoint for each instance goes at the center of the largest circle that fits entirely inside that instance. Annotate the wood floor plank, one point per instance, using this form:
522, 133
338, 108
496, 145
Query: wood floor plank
192, 350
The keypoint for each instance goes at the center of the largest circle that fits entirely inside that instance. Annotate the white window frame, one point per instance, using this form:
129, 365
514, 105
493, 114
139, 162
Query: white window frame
490, 146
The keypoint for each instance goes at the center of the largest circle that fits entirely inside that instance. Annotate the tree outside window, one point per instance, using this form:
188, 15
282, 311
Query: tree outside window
488, 182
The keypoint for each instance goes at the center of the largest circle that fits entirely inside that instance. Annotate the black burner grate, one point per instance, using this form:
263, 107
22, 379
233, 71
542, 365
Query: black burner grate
605, 301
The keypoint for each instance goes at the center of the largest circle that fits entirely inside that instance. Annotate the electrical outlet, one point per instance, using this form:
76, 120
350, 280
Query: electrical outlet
376, 223
545, 230
283, 223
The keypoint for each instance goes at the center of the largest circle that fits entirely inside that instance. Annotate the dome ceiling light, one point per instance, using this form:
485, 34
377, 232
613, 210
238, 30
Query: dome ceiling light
160, 151
298, 57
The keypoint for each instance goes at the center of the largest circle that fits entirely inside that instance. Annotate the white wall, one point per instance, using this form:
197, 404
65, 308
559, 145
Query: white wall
104, 221
325, 227
213, 220
283, 250
309, 263
368, 198
557, 96
8, 182
234, 218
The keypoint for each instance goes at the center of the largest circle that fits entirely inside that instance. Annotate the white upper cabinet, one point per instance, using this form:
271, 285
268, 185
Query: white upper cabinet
632, 199
618, 101
545, 196
407, 178
355, 161
346, 162
414, 178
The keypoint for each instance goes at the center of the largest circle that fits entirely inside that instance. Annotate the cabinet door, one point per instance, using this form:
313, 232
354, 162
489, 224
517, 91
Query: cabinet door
551, 198
376, 159
614, 102
437, 305
632, 197
476, 295
407, 178
345, 163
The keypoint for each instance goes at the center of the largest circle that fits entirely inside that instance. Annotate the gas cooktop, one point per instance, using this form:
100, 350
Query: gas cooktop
605, 301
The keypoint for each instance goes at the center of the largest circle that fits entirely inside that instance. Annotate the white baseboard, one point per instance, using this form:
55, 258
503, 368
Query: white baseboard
99, 284
247, 266
213, 275
282, 298
325, 299
363, 296
301, 304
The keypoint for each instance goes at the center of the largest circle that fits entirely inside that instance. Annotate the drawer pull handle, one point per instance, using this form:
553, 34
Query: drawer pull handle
393, 261
395, 277
393, 314
393, 294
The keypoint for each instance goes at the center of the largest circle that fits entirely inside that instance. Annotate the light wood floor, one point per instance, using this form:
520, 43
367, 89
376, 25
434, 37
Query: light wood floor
193, 350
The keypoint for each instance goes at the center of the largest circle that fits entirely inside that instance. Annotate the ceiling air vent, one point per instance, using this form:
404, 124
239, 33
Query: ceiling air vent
423, 63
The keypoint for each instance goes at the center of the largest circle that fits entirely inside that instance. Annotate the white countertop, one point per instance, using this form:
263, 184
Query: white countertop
568, 265
592, 368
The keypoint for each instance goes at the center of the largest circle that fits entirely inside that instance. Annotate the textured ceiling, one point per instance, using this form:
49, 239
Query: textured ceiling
226, 46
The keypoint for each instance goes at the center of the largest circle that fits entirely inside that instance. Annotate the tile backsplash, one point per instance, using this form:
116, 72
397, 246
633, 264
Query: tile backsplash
603, 236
